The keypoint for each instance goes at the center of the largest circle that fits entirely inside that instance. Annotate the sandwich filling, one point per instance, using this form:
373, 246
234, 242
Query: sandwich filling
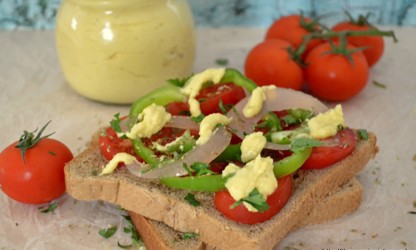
229, 137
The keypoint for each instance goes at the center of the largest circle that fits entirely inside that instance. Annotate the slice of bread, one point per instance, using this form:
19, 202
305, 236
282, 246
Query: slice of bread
151, 199
158, 236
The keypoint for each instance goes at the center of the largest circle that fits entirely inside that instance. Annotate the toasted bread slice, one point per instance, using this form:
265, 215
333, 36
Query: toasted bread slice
158, 236
157, 202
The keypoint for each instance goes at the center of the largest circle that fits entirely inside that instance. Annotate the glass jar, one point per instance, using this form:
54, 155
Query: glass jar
115, 51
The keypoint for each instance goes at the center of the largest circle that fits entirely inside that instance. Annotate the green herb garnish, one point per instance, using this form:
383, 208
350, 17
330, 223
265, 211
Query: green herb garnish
134, 235
224, 108
179, 82
301, 143
189, 236
190, 198
379, 84
50, 208
221, 61
201, 168
198, 118
362, 134
255, 199
107, 232
297, 116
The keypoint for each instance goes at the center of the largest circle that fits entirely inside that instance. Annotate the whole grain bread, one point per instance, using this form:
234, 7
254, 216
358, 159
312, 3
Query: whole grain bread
158, 236
152, 200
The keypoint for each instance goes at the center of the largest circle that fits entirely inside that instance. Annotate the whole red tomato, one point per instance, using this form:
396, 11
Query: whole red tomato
374, 45
270, 63
335, 77
39, 176
293, 28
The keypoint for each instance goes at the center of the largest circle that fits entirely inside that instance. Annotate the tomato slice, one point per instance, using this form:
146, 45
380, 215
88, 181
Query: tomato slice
210, 98
276, 201
325, 156
110, 144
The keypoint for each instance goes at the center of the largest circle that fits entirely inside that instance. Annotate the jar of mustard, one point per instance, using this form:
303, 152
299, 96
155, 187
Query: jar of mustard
115, 51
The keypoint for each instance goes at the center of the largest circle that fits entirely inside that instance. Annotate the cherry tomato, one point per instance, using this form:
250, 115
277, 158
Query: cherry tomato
277, 200
374, 45
325, 156
37, 179
333, 77
289, 28
110, 144
270, 63
210, 98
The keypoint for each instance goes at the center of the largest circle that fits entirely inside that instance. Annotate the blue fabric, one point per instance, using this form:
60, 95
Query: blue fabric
40, 14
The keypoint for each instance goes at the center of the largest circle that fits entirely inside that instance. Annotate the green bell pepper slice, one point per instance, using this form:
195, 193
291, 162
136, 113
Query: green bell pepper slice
168, 94
214, 183
207, 183
235, 76
171, 93
144, 152
160, 96
291, 163
231, 153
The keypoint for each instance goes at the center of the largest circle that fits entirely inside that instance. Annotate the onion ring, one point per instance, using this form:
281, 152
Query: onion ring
276, 99
205, 153
183, 122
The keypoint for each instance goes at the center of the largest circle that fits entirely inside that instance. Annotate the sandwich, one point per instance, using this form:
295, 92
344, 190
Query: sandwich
216, 156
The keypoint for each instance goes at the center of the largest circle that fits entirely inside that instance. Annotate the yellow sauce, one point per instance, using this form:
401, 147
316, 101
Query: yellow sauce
118, 158
208, 125
257, 173
151, 120
255, 103
116, 51
252, 145
195, 84
326, 124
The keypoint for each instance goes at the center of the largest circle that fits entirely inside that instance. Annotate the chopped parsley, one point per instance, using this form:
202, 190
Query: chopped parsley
179, 82
49, 208
134, 235
221, 61
190, 198
297, 116
255, 199
198, 168
379, 84
189, 236
362, 134
301, 143
107, 232
198, 119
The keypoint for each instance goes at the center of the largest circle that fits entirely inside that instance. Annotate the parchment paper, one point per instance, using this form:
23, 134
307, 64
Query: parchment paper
33, 91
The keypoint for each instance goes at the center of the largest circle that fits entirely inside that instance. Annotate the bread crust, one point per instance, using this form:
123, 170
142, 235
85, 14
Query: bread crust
158, 236
157, 202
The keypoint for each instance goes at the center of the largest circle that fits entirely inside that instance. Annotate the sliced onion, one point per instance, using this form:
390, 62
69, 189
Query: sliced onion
205, 153
276, 99
183, 122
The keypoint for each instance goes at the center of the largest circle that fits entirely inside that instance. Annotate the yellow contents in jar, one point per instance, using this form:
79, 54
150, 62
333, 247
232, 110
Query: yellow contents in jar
116, 51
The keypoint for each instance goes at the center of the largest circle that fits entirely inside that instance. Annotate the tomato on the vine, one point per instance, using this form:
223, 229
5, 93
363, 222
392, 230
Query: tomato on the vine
294, 28
32, 169
333, 76
271, 63
373, 45
276, 201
